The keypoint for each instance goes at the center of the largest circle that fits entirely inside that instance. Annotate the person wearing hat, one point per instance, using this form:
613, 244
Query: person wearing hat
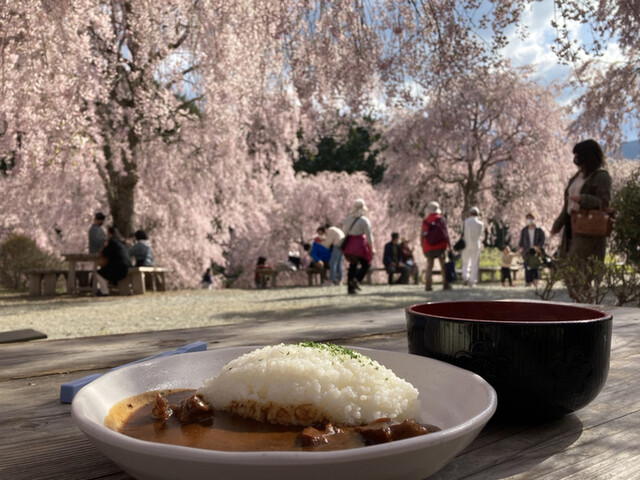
473, 229
97, 237
531, 236
435, 242
358, 246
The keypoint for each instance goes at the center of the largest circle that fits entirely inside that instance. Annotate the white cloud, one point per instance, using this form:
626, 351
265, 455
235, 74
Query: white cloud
613, 54
535, 49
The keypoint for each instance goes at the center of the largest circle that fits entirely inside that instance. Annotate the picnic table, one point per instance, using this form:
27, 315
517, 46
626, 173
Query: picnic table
43, 281
75, 259
39, 440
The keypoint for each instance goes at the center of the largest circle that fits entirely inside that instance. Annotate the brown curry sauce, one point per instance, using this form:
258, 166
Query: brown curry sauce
226, 432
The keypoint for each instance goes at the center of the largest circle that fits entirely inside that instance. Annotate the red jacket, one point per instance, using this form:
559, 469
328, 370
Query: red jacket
442, 224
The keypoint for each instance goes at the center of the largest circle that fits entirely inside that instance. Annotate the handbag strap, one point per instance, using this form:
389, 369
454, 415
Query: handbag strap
354, 222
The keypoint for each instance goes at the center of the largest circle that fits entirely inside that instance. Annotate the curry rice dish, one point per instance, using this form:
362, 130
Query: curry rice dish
289, 396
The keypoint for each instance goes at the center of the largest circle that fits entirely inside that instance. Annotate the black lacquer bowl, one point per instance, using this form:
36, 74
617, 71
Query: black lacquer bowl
544, 359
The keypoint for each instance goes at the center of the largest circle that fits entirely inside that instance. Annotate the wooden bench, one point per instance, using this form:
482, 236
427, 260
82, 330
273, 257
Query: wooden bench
415, 277
316, 276
492, 273
141, 279
514, 273
267, 277
43, 282
83, 280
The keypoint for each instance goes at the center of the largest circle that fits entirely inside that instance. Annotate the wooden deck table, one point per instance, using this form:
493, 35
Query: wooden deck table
74, 259
38, 439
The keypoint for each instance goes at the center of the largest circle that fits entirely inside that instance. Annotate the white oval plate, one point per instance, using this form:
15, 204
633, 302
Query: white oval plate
456, 400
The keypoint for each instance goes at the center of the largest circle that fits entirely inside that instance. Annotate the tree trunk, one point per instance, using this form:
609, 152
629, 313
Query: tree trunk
120, 188
121, 197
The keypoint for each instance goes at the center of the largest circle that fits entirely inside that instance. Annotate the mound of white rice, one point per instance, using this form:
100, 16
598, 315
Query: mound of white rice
307, 383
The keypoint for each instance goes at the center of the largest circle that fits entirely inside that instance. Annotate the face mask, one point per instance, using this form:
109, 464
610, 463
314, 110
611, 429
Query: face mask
576, 161
529, 221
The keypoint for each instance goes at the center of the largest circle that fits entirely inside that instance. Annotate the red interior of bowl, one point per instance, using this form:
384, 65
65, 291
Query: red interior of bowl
509, 311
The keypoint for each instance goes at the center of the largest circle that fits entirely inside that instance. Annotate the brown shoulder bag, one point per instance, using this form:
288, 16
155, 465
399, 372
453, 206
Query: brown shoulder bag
592, 223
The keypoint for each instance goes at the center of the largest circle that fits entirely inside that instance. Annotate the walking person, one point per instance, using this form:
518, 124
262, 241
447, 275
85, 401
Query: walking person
589, 189
435, 243
473, 229
358, 246
530, 236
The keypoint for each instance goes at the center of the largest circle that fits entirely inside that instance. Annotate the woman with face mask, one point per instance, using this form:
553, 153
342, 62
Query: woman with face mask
590, 189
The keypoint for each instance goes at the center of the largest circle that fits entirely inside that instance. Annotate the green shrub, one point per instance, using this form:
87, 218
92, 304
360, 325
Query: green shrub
626, 229
489, 257
19, 253
623, 282
593, 281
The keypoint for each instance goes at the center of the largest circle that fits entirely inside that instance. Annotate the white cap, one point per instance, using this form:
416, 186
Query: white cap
474, 211
433, 207
359, 207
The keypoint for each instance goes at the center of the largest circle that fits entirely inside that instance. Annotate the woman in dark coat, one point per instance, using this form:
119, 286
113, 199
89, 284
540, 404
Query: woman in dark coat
589, 189
116, 261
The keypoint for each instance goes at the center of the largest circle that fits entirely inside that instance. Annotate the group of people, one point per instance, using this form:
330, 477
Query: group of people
323, 253
326, 252
331, 244
530, 249
115, 258
589, 188
398, 259
398, 256
436, 243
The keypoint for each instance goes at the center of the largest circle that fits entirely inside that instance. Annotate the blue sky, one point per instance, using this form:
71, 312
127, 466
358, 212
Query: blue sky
536, 50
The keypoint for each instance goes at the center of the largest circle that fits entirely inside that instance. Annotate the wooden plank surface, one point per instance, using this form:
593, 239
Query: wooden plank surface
38, 439
80, 354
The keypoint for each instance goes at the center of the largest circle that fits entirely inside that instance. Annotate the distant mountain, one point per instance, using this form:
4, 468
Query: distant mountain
630, 150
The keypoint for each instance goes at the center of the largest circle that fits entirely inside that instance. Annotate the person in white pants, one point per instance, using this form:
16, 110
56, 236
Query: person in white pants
473, 228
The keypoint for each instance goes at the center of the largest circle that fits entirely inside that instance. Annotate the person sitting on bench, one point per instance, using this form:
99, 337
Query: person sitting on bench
392, 260
141, 250
114, 260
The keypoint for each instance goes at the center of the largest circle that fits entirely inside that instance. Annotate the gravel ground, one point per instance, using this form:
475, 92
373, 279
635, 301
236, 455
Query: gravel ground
68, 317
